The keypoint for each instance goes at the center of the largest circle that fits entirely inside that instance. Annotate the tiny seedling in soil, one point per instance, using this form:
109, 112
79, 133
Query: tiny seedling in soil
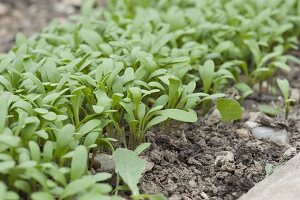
284, 87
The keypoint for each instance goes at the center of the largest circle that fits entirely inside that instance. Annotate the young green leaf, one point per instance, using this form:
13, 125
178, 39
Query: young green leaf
156, 120
87, 7
64, 137
91, 37
230, 109
48, 151
79, 162
77, 186
89, 126
284, 87
130, 167
35, 151
244, 89
179, 115
207, 74
42, 195
270, 110
142, 147
3, 110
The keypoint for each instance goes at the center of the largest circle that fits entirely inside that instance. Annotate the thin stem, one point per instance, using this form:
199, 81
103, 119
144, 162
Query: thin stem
117, 185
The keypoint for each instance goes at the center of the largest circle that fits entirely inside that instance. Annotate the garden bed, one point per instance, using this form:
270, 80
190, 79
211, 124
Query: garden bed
215, 160
209, 159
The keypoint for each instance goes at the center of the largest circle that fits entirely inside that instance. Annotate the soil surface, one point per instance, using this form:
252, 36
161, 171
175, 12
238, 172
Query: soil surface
221, 161
208, 161
205, 160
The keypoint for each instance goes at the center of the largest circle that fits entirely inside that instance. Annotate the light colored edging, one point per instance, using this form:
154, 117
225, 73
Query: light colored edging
283, 184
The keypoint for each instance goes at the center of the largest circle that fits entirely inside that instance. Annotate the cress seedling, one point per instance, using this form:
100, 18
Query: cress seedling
284, 87
121, 70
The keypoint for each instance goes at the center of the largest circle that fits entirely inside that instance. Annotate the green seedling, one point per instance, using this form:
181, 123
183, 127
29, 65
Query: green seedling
244, 90
129, 167
284, 87
229, 109
207, 72
270, 110
212, 79
75, 88
140, 117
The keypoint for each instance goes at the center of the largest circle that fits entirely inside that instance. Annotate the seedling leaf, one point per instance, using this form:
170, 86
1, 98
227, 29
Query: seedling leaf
284, 87
130, 167
229, 109
79, 160
179, 115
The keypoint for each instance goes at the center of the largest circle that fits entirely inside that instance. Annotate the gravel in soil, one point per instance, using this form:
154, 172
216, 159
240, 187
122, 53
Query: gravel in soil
208, 161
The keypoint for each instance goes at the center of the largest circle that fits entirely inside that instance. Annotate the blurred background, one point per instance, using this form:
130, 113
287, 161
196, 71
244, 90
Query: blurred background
30, 16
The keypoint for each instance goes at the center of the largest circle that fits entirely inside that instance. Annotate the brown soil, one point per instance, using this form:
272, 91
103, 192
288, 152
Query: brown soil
205, 160
186, 164
187, 157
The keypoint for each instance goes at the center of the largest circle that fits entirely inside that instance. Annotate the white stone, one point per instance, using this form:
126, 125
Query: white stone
204, 195
253, 116
149, 166
243, 133
290, 152
278, 136
250, 124
214, 117
104, 162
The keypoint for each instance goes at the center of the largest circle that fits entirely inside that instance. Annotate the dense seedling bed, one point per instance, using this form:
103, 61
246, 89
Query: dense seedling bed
101, 83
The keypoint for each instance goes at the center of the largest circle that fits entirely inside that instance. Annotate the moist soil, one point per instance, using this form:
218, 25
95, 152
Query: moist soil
218, 161
209, 161
205, 160
215, 160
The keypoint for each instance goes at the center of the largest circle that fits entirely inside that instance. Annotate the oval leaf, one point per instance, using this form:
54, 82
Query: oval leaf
230, 109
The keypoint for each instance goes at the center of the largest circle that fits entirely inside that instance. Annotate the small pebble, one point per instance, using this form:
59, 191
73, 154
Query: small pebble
149, 166
250, 124
253, 116
204, 195
279, 137
243, 133
104, 162
289, 153
214, 117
